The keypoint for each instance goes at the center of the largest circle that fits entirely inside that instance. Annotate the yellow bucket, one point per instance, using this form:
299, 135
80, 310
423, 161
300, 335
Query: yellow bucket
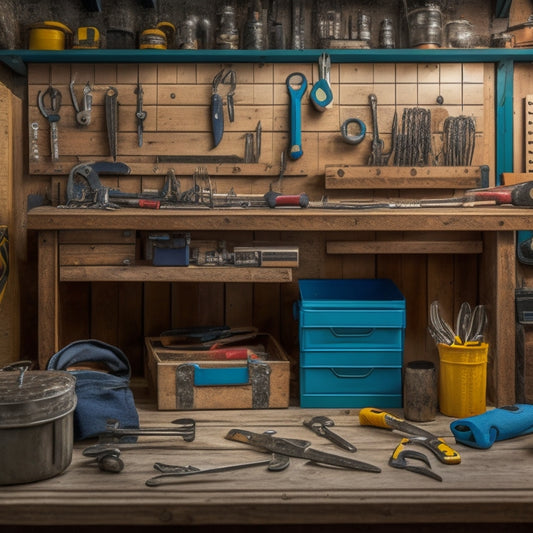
463, 379
49, 35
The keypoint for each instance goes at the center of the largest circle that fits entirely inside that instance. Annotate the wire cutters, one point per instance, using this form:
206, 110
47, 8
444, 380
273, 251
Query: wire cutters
50, 111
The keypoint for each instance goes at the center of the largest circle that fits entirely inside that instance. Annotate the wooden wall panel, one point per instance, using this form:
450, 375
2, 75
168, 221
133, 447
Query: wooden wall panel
176, 98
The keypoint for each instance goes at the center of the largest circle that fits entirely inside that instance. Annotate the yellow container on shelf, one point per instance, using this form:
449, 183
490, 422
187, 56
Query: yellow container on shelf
49, 35
463, 379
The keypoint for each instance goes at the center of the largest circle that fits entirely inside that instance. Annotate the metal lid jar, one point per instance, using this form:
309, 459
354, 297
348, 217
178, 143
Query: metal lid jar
36, 424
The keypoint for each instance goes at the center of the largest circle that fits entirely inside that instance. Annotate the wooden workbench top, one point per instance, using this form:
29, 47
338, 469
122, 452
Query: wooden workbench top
494, 218
494, 485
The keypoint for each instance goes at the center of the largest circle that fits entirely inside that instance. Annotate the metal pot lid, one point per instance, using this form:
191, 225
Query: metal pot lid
29, 398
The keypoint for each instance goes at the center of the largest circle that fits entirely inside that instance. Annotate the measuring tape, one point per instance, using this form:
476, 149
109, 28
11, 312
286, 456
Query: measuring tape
86, 38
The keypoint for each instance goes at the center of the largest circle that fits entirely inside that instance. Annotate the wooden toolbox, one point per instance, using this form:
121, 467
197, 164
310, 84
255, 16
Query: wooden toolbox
183, 379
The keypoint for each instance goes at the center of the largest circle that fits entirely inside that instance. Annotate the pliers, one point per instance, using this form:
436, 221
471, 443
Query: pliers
217, 110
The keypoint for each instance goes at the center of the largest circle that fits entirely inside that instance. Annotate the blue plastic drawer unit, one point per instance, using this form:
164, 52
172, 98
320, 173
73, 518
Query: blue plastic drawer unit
351, 335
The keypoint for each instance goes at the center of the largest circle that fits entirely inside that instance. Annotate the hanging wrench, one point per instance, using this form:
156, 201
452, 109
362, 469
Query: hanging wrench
378, 157
83, 114
51, 113
296, 85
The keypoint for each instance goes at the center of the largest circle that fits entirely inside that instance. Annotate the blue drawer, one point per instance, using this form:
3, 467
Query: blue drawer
350, 401
351, 380
343, 358
356, 317
350, 294
351, 337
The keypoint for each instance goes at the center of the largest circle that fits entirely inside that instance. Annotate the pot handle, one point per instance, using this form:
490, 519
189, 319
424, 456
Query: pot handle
21, 366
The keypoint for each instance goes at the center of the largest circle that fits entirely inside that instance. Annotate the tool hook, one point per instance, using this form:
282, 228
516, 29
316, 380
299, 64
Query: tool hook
398, 460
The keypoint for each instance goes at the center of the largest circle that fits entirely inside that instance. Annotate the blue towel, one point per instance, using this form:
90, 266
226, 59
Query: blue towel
101, 395
482, 431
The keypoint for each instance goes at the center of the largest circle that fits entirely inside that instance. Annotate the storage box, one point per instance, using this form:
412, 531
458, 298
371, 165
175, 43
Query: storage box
351, 336
184, 380
168, 249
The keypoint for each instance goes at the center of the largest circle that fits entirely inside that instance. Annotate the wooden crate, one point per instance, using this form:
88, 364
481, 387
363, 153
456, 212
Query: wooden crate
186, 380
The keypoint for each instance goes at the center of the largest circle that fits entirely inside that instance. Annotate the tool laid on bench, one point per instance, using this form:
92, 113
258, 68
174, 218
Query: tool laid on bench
50, 111
83, 112
297, 448
321, 424
398, 460
370, 416
276, 463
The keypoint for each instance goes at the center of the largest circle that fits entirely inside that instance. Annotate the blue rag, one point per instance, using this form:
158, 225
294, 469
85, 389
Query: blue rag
101, 395
482, 431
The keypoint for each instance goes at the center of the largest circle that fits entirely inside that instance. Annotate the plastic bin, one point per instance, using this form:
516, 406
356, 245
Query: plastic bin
351, 334
463, 379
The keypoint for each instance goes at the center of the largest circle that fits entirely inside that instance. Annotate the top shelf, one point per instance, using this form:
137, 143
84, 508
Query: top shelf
17, 59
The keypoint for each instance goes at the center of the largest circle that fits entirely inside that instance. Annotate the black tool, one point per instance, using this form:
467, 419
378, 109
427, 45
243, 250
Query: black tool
111, 117
140, 114
398, 460
297, 448
217, 104
321, 424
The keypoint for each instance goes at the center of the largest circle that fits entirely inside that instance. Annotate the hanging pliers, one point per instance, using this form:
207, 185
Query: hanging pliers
217, 109
50, 111
83, 113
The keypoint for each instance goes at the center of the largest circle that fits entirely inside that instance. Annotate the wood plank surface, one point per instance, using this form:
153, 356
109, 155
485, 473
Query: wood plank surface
304, 493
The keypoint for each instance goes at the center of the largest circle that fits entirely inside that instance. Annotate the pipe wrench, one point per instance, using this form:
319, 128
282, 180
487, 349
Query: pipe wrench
83, 113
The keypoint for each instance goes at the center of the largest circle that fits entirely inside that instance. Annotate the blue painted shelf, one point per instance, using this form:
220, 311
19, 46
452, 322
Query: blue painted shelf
17, 59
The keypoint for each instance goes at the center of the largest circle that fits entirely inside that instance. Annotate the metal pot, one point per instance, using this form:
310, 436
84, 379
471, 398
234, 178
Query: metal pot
36, 424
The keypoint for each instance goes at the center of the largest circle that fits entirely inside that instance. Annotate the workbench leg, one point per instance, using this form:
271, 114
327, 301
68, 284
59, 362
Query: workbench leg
497, 292
48, 297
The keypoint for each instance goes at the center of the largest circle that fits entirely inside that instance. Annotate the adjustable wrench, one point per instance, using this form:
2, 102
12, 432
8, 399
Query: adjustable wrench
296, 85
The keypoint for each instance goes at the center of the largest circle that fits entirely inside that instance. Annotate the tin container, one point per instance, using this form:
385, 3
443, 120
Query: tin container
459, 34
425, 26
36, 424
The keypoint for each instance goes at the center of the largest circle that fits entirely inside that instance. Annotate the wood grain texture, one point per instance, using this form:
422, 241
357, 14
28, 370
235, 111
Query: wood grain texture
303, 494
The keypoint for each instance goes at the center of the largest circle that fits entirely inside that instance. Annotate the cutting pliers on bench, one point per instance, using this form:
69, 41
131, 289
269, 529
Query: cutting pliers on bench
370, 416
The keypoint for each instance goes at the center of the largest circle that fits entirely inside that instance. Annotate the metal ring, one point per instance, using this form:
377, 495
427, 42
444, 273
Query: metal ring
353, 139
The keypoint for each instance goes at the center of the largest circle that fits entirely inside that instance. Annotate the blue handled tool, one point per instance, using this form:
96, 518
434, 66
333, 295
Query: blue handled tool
217, 108
297, 85
482, 431
321, 95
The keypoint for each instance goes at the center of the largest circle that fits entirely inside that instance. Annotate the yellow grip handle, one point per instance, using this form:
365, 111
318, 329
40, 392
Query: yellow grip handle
370, 416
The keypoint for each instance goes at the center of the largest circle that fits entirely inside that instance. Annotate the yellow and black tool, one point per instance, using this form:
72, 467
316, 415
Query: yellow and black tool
87, 38
370, 416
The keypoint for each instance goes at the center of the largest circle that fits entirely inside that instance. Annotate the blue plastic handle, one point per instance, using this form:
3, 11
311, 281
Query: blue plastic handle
321, 95
300, 81
217, 118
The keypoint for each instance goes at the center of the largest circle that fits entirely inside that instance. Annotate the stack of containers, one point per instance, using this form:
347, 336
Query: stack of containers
351, 334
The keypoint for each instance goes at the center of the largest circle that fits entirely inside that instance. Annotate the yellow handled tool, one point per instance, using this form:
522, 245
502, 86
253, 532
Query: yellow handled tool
369, 416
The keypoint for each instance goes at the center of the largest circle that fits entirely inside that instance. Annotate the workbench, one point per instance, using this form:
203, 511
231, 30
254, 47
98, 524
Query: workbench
487, 487
496, 225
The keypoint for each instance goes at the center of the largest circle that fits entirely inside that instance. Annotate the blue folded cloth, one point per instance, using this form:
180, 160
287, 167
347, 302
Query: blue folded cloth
482, 431
102, 395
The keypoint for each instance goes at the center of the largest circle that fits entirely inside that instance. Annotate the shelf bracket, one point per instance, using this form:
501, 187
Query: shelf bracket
15, 63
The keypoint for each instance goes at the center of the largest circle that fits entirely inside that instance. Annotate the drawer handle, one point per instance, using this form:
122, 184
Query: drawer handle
352, 332
360, 373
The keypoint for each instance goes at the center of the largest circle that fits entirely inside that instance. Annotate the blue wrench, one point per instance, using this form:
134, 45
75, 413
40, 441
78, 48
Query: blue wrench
297, 85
